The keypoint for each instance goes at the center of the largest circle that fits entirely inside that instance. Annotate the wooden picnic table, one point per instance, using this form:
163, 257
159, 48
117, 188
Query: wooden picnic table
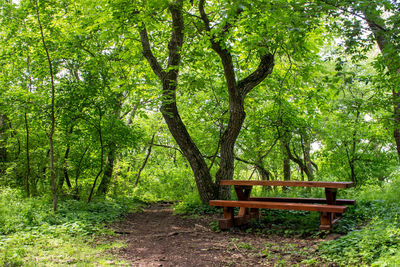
330, 207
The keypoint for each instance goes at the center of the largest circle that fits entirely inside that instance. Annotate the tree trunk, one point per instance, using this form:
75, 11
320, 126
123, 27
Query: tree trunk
52, 113
104, 185
78, 173
226, 168
205, 185
391, 56
297, 160
65, 171
237, 93
28, 164
286, 167
169, 110
3, 143
306, 146
145, 160
101, 158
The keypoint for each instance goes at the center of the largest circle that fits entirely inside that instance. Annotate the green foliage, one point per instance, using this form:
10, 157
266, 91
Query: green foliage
193, 205
378, 242
30, 229
336, 98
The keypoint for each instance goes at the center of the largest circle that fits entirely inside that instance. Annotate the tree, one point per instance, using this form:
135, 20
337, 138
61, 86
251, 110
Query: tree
238, 30
369, 22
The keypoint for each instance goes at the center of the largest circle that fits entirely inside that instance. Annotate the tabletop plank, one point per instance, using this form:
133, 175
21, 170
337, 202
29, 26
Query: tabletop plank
289, 183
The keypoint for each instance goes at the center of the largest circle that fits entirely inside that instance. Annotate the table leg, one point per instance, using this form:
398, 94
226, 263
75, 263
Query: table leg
330, 194
228, 221
326, 221
243, 194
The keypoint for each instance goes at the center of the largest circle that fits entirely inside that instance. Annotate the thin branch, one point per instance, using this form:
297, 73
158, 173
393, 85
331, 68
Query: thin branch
270, 149
145, 160
166, 146
354, 14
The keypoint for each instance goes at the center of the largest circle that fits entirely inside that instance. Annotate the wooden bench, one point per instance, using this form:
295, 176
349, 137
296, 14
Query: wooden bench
330, 208
303, 200
230, 220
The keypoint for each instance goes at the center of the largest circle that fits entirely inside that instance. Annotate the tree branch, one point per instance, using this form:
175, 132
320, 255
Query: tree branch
166, 146
263, 70
148, 54
327, 2
176, 41
223, 53
145, 160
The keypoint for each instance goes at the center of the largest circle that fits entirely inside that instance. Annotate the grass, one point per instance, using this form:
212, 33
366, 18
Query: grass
39, 249
32, 235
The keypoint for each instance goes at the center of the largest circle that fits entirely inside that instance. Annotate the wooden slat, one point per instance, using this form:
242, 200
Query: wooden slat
278, 205
302, 200
289, 183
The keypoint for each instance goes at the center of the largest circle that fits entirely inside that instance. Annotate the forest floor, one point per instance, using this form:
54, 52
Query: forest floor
157, 237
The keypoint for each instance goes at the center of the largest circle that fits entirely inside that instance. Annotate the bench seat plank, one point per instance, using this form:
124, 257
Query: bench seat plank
302, 200
278, 205
288, 183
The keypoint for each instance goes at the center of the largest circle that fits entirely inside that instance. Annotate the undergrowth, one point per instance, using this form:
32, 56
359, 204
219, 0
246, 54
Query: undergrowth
374, 238
31, 234
370, 230
192, 205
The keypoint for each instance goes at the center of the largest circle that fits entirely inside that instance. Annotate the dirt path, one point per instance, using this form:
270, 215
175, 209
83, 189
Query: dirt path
156, 237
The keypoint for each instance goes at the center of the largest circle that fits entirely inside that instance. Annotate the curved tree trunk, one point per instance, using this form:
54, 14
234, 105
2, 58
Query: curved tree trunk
237, 92
169, 110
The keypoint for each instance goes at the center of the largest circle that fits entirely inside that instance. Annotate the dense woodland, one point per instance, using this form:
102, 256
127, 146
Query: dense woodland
116, 102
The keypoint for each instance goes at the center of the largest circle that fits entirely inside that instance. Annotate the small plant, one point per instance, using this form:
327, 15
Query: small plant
215, 226
281, 262
237, 245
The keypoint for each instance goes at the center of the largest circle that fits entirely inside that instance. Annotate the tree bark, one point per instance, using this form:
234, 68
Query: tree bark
376, 25
286, 166
306, 147
28, 162
295, 158
65, 164
104, 185
169, 109
391, 55
237, 93
78, 172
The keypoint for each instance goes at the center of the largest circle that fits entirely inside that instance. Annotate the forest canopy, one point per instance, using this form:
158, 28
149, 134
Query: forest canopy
96, 96
108, 102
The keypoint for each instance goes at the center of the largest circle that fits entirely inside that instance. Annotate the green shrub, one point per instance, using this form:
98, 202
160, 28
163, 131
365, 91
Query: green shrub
193, 205
378, 243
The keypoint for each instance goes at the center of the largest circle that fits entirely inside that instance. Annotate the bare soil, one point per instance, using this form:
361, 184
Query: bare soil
157, 237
